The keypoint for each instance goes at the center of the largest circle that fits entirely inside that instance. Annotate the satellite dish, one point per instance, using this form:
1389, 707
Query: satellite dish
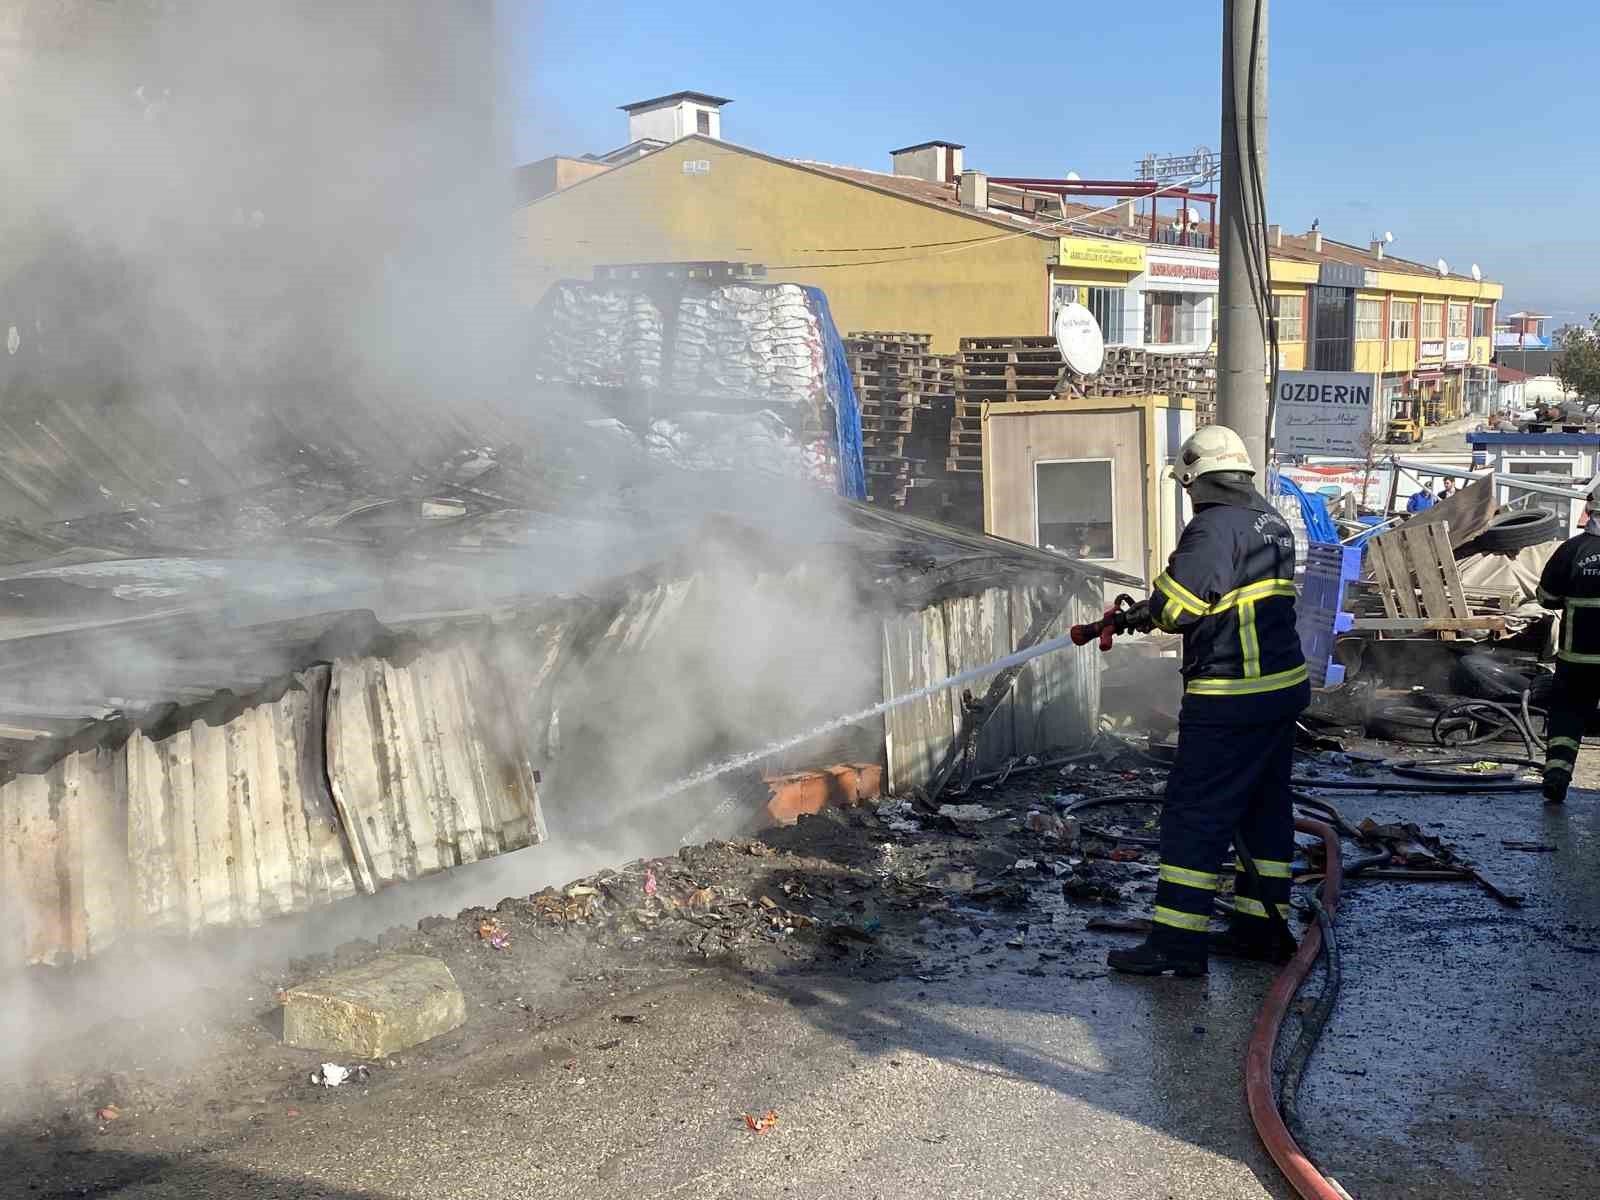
1073, 176
1078, 337
1477, 272
1387, 237
1444, 267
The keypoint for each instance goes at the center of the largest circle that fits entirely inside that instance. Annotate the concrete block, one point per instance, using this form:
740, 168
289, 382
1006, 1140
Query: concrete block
390, 1004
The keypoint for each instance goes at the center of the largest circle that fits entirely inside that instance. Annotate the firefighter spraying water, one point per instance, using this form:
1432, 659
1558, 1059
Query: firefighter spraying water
1229, 590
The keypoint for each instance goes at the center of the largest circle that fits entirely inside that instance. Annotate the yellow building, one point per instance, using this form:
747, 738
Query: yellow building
891, 251
1426, 334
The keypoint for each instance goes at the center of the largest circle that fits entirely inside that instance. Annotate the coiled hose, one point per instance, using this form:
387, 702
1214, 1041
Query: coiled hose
1495, 716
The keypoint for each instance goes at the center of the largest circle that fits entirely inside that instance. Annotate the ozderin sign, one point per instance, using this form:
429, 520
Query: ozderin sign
1322, 412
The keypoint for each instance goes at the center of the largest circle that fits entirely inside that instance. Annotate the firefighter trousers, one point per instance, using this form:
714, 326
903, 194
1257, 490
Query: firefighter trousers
1230, 774
1572, 703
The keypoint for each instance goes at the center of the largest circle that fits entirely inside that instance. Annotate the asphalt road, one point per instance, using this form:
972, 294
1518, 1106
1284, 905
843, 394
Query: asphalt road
1458, 1062
993, 1085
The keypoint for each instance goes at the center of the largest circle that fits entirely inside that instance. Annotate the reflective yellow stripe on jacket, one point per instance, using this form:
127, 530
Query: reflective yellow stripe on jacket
1249, 686
1569, 624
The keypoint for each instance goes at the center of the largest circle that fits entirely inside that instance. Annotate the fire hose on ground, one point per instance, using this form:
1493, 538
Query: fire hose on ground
1272, 1111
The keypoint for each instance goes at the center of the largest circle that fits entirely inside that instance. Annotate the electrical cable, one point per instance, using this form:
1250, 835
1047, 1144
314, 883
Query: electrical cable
1408, 785
958, 247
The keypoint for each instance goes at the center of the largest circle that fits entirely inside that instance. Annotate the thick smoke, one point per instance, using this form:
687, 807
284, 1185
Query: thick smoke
236, 237
259, 215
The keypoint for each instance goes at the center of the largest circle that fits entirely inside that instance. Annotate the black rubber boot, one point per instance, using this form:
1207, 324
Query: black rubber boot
1555, 786
1273, 948
1152, 960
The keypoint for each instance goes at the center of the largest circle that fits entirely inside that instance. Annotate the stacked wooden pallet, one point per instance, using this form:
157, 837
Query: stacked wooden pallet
907, 396
886, 368
1133, 372
1001, 369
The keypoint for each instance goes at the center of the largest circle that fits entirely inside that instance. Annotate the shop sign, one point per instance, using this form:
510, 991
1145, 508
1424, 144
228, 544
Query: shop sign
1457, 350
1345, 275
1432, 349
1323, 412
1102, 254
1204, 275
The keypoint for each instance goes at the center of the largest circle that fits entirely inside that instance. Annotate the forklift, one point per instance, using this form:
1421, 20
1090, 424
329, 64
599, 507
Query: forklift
1410, 420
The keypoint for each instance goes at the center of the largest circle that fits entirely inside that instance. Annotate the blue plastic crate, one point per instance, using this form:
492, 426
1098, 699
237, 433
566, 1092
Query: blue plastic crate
1320, 614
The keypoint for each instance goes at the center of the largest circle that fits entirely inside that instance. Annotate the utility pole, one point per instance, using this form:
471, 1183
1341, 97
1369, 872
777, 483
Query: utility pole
1242, 324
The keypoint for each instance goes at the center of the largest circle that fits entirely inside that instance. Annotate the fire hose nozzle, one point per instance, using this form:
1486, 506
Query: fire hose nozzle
1114, 621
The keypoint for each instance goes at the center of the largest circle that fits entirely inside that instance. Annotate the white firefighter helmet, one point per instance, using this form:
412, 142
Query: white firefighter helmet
1211, 448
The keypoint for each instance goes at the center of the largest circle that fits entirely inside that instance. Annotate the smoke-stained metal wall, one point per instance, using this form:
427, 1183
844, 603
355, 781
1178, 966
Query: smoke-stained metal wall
1053, 705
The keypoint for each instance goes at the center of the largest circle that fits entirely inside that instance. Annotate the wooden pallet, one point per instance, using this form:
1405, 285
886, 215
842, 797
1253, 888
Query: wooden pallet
1022, 342
1415, 572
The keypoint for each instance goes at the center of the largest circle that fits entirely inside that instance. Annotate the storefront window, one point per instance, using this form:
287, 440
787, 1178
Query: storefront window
1291, 312
1369, 320
1173, 319
1074, 504
1432, 320
1402, 314
1394, 394
1108, 306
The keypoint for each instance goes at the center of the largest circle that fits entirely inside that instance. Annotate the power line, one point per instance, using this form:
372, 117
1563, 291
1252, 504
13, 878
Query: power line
956, 248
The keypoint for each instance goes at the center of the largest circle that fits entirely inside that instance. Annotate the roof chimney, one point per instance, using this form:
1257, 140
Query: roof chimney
679, 115
937, 162
1275, 236
974, 189
1377, 247
1316, 240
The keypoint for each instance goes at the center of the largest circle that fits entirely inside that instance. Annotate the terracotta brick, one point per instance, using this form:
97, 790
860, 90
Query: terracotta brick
845, 785
808, 792
794, 796
869, 781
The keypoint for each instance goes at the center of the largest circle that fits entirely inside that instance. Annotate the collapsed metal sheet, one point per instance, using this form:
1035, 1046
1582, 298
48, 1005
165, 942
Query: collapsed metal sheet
359, 774
1054, 703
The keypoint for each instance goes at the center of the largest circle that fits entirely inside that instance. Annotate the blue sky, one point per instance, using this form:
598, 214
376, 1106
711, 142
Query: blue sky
1463, 127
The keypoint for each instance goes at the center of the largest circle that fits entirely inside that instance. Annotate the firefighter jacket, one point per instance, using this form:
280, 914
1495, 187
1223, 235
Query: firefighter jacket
1570, 584
1229, 589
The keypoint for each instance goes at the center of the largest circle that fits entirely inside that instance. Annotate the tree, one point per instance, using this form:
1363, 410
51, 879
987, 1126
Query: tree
1578, 366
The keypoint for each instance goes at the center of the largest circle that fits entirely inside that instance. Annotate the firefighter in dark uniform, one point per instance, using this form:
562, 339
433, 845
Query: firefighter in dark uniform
1570, 584
1229, 590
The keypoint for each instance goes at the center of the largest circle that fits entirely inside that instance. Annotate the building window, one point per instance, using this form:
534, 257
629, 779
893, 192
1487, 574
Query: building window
1394, 396
1074, 506
1402, 315
1369, 320
1332, 324
1108, 306
1458, 320
1173, 319
1432, 320
702, 121
1480, 320
1291, 312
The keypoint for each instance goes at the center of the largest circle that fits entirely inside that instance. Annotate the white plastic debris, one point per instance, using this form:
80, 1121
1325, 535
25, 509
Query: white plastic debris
330, 1075
971, 814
